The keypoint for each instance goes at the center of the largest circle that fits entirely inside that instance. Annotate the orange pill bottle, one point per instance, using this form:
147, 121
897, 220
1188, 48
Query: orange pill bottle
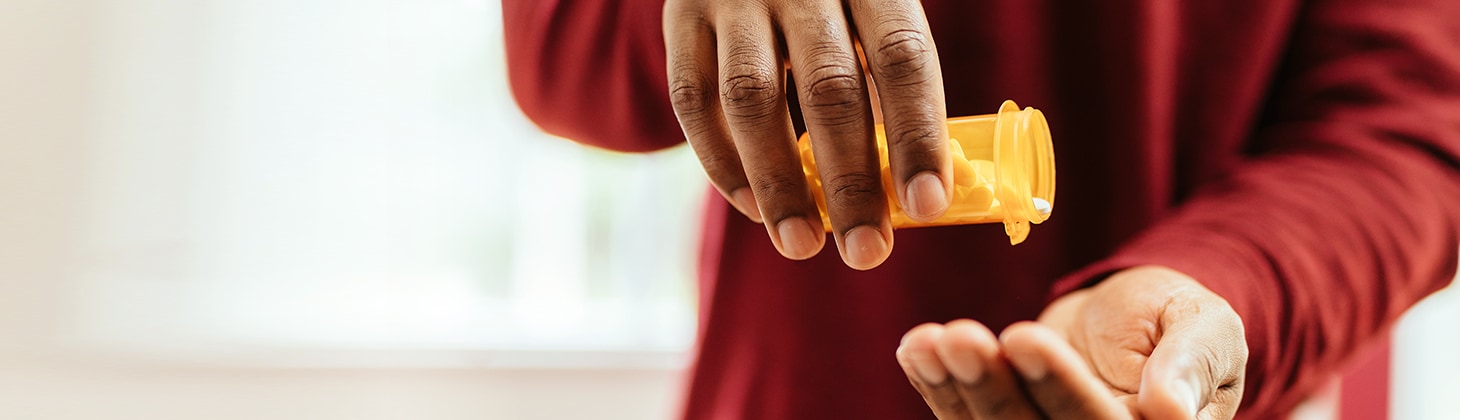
1003, 172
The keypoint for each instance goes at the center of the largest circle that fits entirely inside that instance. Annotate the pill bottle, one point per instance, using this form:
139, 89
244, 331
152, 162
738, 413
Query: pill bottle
1003, 171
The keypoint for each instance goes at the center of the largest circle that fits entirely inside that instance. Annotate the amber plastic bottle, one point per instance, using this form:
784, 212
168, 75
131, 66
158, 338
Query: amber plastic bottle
1003, 171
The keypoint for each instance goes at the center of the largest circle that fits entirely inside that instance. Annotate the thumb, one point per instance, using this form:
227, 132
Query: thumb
1198, 363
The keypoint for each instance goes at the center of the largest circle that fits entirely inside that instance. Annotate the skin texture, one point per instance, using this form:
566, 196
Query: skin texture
1147, 342
728, 64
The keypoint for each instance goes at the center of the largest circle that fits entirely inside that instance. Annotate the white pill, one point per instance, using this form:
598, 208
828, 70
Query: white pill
1042, 206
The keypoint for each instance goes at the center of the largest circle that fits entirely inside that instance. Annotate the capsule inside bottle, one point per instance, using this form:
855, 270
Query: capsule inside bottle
1003, 171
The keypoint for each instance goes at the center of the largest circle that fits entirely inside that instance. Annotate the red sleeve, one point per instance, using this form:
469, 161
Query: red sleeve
1347, 211
592, 71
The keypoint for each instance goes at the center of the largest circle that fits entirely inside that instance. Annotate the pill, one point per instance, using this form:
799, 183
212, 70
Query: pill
1042, 206
964, 174
975, 197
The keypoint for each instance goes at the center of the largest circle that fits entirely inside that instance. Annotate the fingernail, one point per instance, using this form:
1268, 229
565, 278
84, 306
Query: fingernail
1186, 394
967, 371
798, 239
1030, 365
926, 198
904, 363
744, 200
966, 366
865, 248
923, 365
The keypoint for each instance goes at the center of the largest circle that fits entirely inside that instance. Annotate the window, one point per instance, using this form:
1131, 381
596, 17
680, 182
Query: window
354, 175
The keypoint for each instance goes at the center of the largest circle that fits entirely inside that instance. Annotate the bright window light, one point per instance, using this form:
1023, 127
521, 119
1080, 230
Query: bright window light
354, 175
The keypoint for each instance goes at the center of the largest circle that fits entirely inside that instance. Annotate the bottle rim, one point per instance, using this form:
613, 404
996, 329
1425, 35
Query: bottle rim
1024, 161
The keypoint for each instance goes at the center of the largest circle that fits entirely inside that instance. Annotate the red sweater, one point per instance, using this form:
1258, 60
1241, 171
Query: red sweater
1302, 159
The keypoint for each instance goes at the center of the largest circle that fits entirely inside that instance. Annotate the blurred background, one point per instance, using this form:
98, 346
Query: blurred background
330, 209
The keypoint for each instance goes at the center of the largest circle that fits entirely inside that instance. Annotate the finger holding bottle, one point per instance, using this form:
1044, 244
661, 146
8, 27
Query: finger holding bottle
727, 66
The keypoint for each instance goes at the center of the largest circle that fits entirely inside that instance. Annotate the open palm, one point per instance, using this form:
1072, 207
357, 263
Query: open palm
1147, 342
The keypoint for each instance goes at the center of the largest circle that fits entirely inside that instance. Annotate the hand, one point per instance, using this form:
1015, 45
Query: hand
727, 62
1148, 342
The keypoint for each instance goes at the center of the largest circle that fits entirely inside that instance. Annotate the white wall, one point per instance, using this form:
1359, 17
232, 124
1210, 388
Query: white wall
1425, 370
77, 74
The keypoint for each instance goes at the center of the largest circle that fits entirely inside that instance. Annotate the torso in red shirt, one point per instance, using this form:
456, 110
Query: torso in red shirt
1147, 101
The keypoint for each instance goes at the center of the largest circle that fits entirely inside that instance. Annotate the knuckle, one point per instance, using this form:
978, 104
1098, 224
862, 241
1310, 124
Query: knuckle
778, 186
853, 190
749, 94
834, 90
904, 56
834, 94
690, 95
915, 137
751, 88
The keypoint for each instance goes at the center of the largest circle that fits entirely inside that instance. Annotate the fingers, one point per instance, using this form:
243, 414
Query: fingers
834, 103
744, 139
752, 94
690, 47
726, 85
981, 375
1056, 377
1198, 363
904, 63
962, 374
919, 360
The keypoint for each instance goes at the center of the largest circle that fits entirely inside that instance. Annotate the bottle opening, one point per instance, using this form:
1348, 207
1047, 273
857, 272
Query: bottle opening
1023, 155
1035, 131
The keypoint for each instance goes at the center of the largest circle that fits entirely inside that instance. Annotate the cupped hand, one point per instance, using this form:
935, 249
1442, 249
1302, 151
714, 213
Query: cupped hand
727, 65
1146, 343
